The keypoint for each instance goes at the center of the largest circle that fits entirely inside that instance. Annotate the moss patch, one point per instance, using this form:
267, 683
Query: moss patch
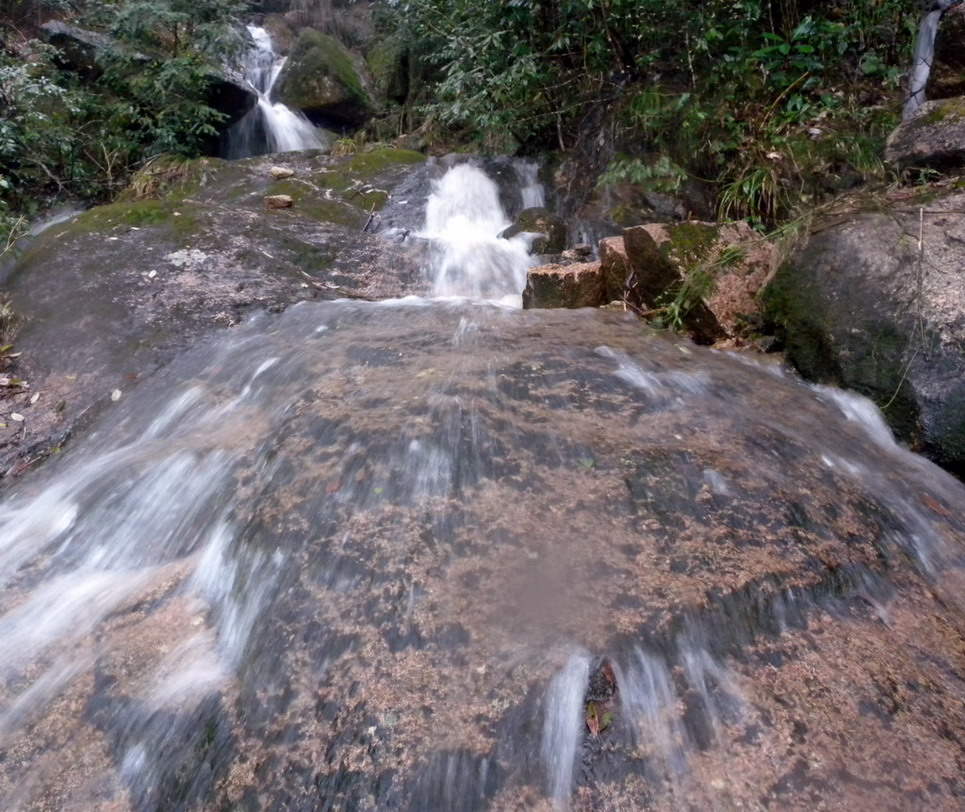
171, 177
182, 219
356, 177
690, 243
946, 109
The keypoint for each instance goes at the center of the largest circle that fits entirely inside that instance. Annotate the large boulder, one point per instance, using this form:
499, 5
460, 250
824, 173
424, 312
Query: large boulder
705, 276
116, 293
933, 137
321, 79
875, 304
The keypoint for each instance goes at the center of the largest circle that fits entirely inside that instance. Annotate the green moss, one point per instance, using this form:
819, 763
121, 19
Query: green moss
171, 177
691, 243
354, 177
179, 218
948, 108
386, 62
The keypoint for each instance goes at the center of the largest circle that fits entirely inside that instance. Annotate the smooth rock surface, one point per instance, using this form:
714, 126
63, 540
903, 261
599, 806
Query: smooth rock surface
117, 292
867, 306
414, 542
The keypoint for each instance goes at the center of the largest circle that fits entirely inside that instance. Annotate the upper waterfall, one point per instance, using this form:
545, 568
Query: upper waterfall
269, 126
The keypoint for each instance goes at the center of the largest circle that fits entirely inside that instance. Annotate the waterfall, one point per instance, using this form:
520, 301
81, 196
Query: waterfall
924, 55
269, 126
464, 220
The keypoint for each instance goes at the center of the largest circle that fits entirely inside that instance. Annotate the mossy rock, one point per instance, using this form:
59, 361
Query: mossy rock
359, 179
933, 137
171, 177
550, 228
321, 79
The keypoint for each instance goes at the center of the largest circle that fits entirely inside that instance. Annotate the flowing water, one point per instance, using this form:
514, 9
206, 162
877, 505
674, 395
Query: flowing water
448, 554
269, 126
924, 55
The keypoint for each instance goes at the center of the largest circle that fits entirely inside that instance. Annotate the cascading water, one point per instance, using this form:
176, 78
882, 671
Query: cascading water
464, 220
269, 126
445, 555
924, 54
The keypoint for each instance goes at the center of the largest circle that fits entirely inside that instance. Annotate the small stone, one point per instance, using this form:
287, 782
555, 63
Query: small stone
116, 395
19, 418
278, 202
282, 172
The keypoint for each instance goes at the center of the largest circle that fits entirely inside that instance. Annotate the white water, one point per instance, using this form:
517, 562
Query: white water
278, 126
563, 725
464, 218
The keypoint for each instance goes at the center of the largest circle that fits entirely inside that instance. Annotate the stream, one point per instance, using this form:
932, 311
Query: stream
444, 553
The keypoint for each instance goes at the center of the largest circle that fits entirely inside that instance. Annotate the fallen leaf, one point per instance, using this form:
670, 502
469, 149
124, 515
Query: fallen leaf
592, 719
334, 487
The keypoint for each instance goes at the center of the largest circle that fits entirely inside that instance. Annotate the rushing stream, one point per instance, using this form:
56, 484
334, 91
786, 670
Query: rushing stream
448, 554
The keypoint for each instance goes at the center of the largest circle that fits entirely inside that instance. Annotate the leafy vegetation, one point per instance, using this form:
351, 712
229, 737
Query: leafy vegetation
68, 133
769, 100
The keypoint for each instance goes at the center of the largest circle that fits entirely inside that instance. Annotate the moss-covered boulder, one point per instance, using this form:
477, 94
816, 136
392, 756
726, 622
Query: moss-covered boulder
321, 79
875, 304
549, 230
933, 137
388, 64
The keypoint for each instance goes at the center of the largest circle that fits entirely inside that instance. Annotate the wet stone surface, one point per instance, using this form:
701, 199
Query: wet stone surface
453, 556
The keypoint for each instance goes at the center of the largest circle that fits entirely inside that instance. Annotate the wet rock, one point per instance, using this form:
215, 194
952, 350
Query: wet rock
321, 79
868, 307
578, 253
278, 202
617, 272
633, 574
282, 172
114, 294
578, 285
549, 229
933, 137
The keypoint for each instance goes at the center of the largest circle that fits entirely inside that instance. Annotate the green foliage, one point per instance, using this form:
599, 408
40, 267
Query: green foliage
63, 135
755, 95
